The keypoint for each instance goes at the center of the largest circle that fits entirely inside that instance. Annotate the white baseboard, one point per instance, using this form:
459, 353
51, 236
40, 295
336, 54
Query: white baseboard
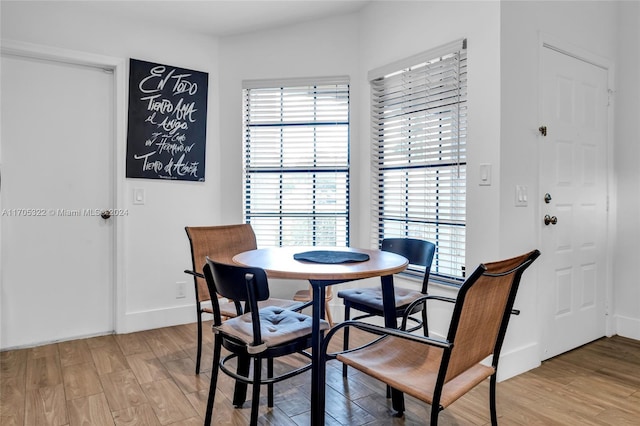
135, 321
627, 327
518, 361
49, 342
157, 318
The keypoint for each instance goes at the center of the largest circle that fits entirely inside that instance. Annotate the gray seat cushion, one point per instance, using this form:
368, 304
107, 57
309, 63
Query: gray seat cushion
372, 296
292, 305
228, 308
277, 326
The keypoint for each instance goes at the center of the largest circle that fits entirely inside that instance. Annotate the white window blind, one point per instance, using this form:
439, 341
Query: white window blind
419, 128
296, 162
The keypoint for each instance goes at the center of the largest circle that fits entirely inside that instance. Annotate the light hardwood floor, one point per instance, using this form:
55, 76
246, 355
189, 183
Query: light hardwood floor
147, 378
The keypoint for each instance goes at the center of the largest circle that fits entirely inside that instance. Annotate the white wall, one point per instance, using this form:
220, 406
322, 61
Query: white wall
314, 49
626, 256
154, 249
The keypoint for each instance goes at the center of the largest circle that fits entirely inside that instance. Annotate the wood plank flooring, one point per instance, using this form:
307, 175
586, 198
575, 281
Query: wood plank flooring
147, 378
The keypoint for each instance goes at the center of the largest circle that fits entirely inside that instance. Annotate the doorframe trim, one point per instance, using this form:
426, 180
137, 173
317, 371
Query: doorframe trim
119, 68
548, 41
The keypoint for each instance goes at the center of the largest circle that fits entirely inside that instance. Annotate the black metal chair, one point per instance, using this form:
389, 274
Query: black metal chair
441, 371
369, 300
259, 334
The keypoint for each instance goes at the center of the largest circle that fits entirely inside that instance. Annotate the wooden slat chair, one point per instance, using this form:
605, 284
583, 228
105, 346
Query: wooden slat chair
441, 371
259, 334
221, 243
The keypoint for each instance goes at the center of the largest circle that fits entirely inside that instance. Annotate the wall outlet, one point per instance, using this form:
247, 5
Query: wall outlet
181, 289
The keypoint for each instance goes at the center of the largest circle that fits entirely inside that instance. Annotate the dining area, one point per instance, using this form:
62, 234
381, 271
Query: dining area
304, 144
396, 373
407, 360
400, 372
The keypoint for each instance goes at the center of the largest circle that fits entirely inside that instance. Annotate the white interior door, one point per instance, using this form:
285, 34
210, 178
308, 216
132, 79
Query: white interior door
57, 175
573, 171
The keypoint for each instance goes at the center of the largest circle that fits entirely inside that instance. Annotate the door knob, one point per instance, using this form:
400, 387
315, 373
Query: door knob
550, 220
105, 214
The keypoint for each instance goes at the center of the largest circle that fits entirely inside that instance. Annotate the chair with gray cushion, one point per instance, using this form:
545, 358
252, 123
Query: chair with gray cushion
369, 300
260, 333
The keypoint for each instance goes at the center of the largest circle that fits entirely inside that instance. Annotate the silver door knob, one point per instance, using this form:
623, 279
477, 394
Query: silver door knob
105, 214
550, 220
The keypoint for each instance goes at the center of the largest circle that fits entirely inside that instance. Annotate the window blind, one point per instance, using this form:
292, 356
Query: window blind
419, 129
296, 162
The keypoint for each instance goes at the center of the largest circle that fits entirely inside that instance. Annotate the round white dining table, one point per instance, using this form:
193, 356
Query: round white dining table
279, 262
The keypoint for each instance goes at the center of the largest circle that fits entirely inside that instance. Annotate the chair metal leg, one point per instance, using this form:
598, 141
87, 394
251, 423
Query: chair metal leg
397, 400
270, 385
425, 325
199, 355
240, 390
391, 321
255, 398
492, 400
213, 383
345, 336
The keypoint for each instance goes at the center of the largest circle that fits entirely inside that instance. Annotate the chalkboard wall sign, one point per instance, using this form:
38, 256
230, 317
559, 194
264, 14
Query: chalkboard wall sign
167, 122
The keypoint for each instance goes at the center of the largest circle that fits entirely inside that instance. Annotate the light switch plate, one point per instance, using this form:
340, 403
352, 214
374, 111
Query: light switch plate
138, 196
521, 196
485, 174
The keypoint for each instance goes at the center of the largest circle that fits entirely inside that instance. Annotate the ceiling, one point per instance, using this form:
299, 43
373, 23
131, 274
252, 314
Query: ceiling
222, 17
